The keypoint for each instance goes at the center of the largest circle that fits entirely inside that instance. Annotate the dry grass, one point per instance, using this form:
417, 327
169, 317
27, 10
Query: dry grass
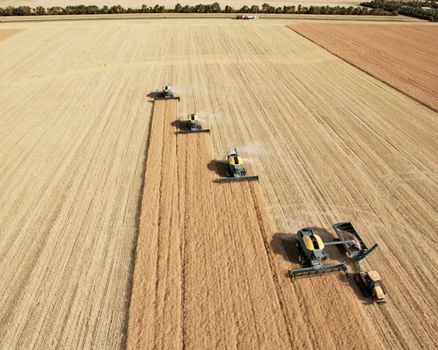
329, 142
404, 56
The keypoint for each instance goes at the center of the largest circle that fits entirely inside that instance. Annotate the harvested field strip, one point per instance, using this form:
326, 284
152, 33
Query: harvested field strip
402, 55
206, 274
6, 33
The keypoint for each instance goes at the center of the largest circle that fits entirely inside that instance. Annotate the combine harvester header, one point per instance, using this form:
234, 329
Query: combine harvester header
236, 169
318, 270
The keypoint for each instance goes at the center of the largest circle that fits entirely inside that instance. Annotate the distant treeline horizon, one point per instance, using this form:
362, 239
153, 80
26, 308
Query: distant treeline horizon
200, 8
427, 10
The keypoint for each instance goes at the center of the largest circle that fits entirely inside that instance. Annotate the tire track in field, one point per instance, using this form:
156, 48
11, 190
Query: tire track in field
182, 250
275, 280
159, 239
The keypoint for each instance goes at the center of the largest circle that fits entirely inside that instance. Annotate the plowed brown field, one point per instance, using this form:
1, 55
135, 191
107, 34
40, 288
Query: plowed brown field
404, 56
329, 142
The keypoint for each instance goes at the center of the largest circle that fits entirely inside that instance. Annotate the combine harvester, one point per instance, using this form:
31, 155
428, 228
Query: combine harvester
192, 125
356, 250
311, 253
236, 169
166, 94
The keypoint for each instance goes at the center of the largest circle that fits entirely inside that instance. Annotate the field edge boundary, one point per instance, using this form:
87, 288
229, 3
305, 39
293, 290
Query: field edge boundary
133, 254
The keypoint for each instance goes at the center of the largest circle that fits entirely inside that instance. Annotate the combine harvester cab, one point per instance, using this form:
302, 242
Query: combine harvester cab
311, 253
166, 94
236, 170
354, 247
192, 125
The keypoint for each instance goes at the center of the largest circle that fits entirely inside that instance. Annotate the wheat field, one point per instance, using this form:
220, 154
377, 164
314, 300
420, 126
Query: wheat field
329, 142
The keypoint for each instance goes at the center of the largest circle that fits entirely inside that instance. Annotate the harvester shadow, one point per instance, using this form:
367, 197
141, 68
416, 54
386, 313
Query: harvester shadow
153, 95
179, 125
349, 279
284, 244
220, 167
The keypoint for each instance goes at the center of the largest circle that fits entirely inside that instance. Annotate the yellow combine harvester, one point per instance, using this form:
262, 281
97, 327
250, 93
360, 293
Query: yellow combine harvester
166, 94
191, 125
311, 254
236, 169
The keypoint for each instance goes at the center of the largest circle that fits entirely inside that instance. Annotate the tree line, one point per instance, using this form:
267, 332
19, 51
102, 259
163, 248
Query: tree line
418, 9
209, 8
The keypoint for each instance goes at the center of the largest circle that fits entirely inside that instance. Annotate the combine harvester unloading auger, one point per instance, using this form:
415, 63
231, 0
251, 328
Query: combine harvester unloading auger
191, 125
236, 169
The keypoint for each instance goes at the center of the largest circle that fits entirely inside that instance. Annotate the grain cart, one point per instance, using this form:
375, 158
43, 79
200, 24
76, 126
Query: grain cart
356, 250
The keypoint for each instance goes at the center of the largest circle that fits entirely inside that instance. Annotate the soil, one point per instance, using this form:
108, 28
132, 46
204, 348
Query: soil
404, 56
